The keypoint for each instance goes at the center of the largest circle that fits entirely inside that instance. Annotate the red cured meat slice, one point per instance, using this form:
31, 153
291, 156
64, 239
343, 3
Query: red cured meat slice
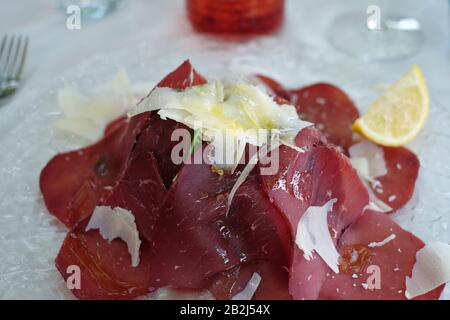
312, 179
334, 113
157, 138
191, 243
142, 194
395, 260
274, 86
309, 138
106, 274
397, 186
274, 277
105, 268
195, 240
73, 183
183, 77
113, 125
330, 109
273, 284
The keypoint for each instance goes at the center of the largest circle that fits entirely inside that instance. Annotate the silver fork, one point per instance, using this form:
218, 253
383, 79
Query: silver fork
13, 51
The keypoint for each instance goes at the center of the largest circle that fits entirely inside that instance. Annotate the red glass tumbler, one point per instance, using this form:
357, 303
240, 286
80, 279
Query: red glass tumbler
247, 17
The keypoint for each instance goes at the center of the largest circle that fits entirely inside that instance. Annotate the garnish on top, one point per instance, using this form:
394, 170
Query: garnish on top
238, 111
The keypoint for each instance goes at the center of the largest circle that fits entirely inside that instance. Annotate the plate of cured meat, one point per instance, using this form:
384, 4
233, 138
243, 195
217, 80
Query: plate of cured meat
225, 176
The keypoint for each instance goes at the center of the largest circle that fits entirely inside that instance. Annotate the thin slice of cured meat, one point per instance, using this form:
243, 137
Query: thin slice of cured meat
310, 137
183, 77
113, 125
273, 285
274, 277
330, 109
274, 86
396, 187
106, 271
309, 179
377, 256
73, 183
274, 282
103, 268
141, 191
196, 239
157, 138
334, 113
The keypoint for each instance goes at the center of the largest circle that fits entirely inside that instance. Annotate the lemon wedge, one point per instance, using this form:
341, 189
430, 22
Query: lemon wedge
397, 117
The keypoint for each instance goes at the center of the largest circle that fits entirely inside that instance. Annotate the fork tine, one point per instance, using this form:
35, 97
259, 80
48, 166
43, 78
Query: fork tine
4, 39
3, 44
14, 59
8, 55
22, 59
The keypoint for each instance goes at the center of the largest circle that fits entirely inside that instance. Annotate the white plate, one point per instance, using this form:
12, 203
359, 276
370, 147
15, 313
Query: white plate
30, 237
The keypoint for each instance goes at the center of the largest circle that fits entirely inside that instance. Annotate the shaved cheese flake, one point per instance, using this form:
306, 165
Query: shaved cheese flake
115, 223
368, 160
313, 235
250, 288
383, 242
431, 270
375, 203
240, 112
70, 100
228, 115
392, 198
263, 151
361, 165
86, 116
241, 179
168, 293
81, 127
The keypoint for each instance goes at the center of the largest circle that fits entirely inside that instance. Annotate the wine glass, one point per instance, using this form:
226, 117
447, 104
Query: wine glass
376, 32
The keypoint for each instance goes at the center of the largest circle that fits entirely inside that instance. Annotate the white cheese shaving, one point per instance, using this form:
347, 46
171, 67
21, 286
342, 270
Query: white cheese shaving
248, 169
168, 293
249, 289
117, 223
392, 198
383, 242
313, 235
368, 160
431, 270
375, 203
239, 112
86, 116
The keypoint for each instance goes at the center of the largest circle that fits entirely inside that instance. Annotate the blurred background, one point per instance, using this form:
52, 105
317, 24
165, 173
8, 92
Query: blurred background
54, 47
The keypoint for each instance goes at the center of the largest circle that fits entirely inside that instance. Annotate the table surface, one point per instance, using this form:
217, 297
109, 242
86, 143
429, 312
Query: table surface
54, 50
